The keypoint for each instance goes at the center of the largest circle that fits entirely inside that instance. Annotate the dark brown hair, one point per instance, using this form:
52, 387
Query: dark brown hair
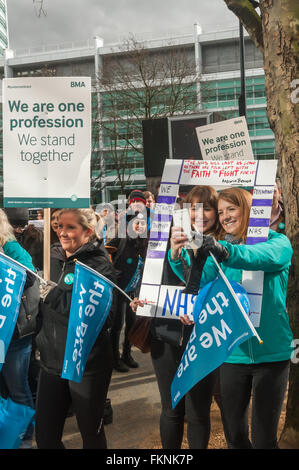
205, 195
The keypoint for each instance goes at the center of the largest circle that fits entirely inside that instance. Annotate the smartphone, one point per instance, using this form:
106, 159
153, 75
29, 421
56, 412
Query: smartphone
181, 218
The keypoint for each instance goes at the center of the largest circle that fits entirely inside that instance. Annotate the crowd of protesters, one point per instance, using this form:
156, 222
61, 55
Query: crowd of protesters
114, 243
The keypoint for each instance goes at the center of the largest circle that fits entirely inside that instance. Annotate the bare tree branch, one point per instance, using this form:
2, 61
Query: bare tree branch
39, 8
142, 84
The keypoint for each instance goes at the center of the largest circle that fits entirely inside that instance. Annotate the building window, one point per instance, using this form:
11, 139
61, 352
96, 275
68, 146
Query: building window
225, 93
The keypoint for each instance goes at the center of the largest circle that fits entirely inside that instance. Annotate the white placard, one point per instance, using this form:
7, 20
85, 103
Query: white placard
225, 140
166, 301
46, 141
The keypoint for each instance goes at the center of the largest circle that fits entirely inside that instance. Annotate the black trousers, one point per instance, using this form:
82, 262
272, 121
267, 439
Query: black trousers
88, 400
267, 383
124, 312
195, 406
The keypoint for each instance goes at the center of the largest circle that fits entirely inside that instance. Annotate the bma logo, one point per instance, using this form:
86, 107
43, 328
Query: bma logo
78, 84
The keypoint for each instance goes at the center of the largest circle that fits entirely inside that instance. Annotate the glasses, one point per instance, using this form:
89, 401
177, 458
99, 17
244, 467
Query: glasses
18, 226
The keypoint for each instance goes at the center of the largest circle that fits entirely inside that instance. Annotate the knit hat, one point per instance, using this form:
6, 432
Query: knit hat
137, 195
17, 216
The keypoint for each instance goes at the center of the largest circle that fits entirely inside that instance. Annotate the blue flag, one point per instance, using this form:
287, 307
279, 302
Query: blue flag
90, 305
219, 328
14, 421
12, 281
136, 278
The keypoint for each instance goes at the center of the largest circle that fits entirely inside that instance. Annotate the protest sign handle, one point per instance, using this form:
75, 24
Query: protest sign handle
236, 298
106, 279
25, 267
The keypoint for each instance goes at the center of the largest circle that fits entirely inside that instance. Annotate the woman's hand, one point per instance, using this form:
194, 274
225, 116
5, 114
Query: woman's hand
44, 289
136, 303
211, 245
177, 241
186, 320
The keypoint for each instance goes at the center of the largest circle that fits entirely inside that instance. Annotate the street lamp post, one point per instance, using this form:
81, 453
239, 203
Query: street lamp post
242, 97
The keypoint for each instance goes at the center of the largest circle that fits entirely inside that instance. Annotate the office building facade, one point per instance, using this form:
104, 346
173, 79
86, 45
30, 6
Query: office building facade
3, 27
216, 61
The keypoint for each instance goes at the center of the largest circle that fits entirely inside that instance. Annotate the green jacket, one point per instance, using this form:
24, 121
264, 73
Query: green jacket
274, 258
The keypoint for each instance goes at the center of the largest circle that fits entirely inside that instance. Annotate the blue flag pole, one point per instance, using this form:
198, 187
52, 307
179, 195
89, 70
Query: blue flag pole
105, 279
24, 267
236, 298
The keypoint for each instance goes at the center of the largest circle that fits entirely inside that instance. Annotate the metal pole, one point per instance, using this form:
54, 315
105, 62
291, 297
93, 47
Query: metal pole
242, 97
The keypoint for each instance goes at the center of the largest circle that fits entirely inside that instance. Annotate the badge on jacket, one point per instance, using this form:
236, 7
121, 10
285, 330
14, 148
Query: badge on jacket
69, 279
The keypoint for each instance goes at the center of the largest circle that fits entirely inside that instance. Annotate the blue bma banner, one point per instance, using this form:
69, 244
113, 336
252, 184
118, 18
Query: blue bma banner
90, 305
12, 281
219, 328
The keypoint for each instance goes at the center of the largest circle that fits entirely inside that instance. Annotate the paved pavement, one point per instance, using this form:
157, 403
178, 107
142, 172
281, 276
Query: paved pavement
136, 412
135, 401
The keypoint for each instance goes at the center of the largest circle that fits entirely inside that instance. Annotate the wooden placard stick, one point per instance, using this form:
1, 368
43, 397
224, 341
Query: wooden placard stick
47, 243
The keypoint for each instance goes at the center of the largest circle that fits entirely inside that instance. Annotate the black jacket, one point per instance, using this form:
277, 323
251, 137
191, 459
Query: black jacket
171, 331
125, 259
55, 309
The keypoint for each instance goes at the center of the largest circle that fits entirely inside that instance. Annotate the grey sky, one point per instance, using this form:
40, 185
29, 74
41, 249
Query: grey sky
70, 20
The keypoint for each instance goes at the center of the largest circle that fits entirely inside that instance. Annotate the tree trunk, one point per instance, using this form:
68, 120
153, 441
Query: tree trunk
280, 21
280, 46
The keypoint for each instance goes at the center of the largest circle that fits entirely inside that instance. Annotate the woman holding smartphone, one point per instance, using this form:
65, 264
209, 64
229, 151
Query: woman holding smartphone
169, 339
260, 370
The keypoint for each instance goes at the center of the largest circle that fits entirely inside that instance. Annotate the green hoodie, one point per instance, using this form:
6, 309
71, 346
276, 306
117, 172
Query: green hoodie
274, 258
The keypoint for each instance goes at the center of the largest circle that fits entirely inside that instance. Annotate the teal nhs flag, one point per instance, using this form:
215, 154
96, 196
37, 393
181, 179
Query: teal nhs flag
219, 328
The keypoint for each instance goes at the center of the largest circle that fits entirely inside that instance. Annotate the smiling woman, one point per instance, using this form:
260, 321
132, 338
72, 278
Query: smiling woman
77, 242
233, 210
252, 369
71, 233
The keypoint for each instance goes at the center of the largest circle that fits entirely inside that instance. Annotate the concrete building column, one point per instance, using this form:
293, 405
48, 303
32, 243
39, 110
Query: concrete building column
8, 71
198, 62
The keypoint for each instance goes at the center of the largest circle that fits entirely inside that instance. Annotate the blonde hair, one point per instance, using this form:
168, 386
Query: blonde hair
6, 230
85, 217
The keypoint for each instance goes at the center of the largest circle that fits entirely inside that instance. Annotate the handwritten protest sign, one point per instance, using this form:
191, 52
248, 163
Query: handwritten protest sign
225, 140
46, 141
